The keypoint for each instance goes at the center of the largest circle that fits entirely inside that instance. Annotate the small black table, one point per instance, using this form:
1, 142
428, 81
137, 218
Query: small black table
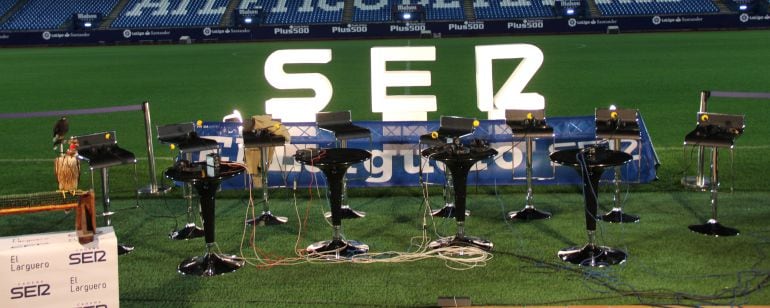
590, 163
334, 163
459, 161
210, 263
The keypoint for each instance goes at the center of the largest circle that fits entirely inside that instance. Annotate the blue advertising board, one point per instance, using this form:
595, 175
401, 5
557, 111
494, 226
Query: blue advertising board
386, 30
396, 159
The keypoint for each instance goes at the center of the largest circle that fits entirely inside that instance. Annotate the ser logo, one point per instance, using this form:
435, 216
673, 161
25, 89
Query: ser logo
88, 257
42, 289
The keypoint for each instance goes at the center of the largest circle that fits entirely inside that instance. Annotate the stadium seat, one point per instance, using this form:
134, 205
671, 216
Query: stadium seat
44, 14
649, 7
170, 13
492, 10
373, 11
294, 13
6, 5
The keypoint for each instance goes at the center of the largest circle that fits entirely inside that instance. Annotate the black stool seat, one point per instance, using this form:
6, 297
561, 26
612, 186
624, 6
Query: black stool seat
108, 156
340, 123
347, 131
711, 136
101, 151
449, 127
185, 137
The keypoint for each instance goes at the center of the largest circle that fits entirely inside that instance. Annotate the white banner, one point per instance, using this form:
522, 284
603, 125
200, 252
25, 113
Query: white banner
55, 270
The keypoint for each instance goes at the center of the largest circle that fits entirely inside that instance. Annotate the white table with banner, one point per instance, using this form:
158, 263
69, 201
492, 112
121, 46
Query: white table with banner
55, 270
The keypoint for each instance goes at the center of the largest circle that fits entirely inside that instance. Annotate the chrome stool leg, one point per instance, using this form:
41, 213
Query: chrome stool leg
266, 218
529, 212
712, 226
616, 215
190, 229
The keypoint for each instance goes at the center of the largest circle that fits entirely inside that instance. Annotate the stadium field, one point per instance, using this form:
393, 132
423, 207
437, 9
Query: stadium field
661, 74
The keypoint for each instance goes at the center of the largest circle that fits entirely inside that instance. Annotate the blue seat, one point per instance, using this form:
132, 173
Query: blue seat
496, 10
195, 14
44, 14
612, 7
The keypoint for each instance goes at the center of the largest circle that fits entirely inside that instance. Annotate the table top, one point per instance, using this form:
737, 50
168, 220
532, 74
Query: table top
336, 156
470, 153
601, 158
195, 174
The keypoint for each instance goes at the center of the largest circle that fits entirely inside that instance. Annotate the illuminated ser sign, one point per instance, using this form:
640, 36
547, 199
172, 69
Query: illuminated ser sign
402, 107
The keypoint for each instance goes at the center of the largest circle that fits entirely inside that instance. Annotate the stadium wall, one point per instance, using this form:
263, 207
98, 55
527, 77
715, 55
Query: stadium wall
387, 30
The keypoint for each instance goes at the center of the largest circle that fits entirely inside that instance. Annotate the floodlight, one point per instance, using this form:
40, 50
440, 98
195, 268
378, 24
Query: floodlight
743, 7
406, 16
570, 11
87, 24
247, 20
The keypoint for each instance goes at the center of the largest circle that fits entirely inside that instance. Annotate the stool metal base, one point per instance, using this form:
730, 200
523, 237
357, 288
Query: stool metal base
448, 211
189, 231
210, 264
267, 219
464, 241
158, 190
347, 213
592, 255
616, 215
529, 213
124, 249
338, 249
692, 182
714, 228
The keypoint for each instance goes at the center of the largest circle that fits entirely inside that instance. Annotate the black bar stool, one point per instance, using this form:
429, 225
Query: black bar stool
101, 151
716, 131
459, 159
451, 130
263, 139
187, 141
616, 124
340, 124
590, 163
334, 164
529, 124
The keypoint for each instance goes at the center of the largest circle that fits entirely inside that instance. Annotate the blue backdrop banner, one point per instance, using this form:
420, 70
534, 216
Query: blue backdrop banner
396, 161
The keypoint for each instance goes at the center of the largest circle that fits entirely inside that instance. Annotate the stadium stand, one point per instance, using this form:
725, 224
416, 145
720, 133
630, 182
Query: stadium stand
446, 10
170, 13
6, 5
373, 11
46, 14
297, 13
506, 9
382, 11
654, 7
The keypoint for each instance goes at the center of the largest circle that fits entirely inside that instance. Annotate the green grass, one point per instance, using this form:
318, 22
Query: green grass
667, 263
661, 74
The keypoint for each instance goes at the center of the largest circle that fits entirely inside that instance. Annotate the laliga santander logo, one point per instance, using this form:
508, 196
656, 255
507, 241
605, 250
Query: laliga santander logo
403, 107
127, 33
